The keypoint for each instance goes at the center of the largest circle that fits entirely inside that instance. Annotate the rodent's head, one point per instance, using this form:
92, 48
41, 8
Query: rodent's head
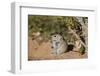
56, 37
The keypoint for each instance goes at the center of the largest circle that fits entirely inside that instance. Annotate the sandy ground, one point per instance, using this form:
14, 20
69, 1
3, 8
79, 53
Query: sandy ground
43, 52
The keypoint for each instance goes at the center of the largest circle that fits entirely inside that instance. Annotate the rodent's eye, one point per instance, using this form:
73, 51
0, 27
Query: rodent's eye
54, 36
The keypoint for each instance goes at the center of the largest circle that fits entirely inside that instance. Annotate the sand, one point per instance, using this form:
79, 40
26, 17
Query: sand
43, 52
